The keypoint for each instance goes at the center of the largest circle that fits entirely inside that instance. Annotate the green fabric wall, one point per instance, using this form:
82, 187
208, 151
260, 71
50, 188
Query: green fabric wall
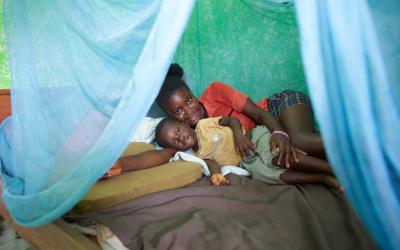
255, 50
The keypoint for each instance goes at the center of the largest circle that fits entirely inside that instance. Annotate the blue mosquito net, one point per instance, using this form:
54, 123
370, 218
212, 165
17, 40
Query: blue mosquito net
83, 74
351, 55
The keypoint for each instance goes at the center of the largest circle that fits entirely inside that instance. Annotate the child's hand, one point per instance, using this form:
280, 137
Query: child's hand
115, 170
219, 180
244, 145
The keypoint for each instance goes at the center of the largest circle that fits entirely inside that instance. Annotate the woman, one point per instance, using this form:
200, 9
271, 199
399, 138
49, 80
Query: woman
291, 109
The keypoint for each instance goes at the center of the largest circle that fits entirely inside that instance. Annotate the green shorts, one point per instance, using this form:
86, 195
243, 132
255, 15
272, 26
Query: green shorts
259, 165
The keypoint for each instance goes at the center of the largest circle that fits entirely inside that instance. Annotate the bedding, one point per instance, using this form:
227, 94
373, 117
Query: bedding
130, 185
245, 215
145, 132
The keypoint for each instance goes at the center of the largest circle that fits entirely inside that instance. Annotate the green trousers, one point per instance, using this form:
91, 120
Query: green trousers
259, 165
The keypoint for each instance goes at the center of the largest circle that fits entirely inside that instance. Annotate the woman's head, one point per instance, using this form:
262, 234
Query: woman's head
176, 99
171, 133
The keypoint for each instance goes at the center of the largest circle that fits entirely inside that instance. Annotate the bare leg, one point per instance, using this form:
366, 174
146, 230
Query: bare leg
298, 121
296, 177
308, 163
312, 164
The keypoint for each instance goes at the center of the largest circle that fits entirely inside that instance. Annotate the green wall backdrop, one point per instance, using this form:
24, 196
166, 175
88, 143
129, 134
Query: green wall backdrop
251, 45
247, 44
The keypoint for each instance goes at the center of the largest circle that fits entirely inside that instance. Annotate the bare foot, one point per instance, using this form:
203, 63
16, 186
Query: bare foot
333, 183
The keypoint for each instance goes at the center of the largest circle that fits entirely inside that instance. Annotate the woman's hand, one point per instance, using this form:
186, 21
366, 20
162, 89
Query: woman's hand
281, 146
219, 180
244, 145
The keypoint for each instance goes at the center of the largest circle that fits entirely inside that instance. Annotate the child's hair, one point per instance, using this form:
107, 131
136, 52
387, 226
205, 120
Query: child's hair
173, 81
160, 127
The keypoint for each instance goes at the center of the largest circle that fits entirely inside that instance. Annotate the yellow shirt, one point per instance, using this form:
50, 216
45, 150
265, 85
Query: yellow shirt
216, 142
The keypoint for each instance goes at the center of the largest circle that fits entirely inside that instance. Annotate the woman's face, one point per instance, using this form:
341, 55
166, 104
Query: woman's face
184, 107
179, 136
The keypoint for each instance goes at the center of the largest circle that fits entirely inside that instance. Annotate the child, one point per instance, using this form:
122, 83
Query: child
212, 140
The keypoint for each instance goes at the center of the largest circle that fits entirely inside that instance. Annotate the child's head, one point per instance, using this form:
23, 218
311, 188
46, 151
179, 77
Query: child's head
177, 100
171, 133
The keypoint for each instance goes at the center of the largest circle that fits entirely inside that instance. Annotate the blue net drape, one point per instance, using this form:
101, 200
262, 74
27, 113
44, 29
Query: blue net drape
351, 54
83, 74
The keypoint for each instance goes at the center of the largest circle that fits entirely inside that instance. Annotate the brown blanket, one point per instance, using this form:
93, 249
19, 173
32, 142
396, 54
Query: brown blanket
246, 215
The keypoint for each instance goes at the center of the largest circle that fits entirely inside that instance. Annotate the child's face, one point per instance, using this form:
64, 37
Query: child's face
183, 106
179, 136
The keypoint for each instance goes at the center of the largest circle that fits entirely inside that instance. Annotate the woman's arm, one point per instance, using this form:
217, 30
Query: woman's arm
242, 142
260, 116
146, 159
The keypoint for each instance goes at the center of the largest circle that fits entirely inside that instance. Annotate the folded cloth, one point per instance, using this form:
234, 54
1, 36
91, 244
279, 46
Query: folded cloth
187, 156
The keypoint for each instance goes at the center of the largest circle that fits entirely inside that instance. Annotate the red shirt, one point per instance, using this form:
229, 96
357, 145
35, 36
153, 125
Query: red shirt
220, 99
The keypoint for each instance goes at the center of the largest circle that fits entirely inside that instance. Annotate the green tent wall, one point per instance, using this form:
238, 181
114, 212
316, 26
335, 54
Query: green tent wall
254, 49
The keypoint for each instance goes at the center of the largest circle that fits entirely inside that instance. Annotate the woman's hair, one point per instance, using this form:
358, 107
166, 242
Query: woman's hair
173, 81
159, 129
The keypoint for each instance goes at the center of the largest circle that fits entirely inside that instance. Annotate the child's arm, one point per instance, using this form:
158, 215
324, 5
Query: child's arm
217, 179
146, 159
242, 142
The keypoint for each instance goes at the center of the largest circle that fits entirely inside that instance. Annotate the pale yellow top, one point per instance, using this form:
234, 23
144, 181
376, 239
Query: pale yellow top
216, 142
